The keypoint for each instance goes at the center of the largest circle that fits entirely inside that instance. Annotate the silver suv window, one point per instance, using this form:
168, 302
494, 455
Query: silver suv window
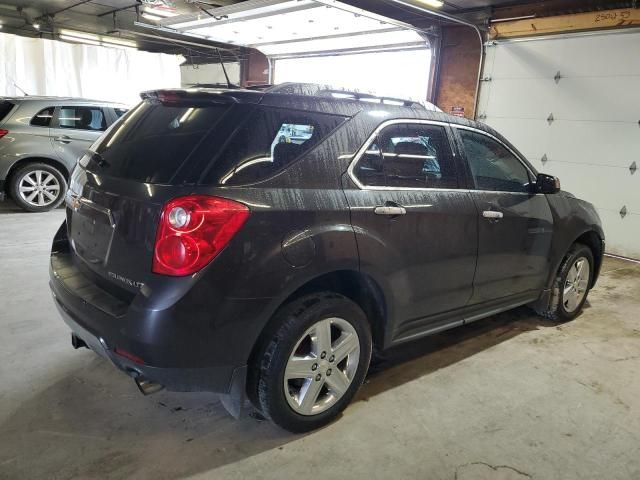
43, 117
82, 118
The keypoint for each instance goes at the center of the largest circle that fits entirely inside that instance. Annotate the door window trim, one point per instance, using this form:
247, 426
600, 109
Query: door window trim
402, 121
532, 173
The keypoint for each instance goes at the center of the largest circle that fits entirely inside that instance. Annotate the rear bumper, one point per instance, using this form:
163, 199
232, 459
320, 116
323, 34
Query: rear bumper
106, 342
214, 379
191, 341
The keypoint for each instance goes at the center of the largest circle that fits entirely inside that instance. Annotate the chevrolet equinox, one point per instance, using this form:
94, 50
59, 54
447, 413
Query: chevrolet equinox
260, 243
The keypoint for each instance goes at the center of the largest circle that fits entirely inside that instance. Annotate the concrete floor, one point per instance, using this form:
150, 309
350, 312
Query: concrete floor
510, 397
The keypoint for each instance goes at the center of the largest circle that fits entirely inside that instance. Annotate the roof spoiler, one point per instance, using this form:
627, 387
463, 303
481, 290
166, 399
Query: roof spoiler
199, 97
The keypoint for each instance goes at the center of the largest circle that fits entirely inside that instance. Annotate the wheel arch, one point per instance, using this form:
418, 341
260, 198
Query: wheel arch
594, 241
57, 164
356, 286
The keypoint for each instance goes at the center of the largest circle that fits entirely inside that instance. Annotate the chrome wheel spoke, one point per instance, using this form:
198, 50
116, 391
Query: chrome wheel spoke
49, 195
48, 179
322, 337
32, 196
300, 368
40, 199
345, 345
24, 189
309, 395
30, 180
338, 382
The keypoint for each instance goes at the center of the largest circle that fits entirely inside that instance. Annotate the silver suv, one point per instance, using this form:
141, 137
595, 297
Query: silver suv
41, 138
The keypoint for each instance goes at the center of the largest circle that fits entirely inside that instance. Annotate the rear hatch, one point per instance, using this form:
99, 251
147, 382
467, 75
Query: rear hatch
119, 187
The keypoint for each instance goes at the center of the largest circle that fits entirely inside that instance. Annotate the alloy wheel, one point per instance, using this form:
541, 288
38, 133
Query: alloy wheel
322, 366
39, 188
576, 284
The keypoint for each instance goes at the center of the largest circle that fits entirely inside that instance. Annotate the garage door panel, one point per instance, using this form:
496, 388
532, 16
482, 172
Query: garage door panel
601, 143
620, 233
612, 188
594, 136
534, 98
532, 60
601, 61
529, 136
602, 99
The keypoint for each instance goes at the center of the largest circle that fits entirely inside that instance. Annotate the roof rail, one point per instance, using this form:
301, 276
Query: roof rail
317, 90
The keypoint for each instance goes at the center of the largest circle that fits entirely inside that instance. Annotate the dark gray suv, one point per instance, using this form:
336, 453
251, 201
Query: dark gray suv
41, 139
260, 243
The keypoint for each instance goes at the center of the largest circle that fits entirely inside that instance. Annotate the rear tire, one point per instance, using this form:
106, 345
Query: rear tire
38, 187
312, 361
572, 284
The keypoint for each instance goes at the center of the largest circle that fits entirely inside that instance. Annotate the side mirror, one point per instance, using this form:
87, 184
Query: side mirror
547, 184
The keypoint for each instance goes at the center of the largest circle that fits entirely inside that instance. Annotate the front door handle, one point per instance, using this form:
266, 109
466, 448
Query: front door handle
492, 214
63, 139
389, 210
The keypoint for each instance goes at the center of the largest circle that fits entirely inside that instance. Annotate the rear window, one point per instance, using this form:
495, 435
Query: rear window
5, 108
270, 140
151, 141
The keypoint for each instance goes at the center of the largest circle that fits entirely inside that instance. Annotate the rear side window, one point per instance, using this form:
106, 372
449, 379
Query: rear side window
409, 156
43, 117
270, 140
82, 118
5, 108
152, 141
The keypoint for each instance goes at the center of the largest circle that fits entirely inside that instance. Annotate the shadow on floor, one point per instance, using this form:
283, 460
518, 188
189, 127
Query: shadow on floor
92, 422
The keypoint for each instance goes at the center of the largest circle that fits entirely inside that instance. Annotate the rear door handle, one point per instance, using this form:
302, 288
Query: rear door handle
391, 211
492, 214
63, 139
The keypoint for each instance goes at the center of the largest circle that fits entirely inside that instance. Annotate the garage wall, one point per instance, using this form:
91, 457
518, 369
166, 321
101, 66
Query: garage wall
583, 126
49, 67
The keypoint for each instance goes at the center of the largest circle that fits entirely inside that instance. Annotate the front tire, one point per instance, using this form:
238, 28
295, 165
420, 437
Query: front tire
312, 362
572, 284
38, 187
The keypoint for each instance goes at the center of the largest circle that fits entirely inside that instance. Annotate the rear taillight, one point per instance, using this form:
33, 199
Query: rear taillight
3, 132
193, 230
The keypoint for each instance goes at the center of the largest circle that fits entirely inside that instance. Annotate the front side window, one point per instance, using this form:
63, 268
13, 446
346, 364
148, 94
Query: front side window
493, 167
270, 140
409, 156
120, 111
43, 117
82, 118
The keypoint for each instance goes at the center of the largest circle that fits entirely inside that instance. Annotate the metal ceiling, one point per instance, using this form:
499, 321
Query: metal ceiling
121, 18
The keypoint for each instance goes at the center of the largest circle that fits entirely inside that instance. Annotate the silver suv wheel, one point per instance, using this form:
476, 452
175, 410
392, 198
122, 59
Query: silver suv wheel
39, 188
322, 366
576, 284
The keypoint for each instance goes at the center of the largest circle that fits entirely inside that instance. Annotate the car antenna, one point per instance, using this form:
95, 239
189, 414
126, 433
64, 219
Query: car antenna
224, 70
16, 85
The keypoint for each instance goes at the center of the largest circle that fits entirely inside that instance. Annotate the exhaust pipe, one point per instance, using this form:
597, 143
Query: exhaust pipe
146, 386
77, 342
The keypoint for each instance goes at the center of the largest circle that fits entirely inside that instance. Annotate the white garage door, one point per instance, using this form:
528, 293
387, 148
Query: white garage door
400, 74
571, 105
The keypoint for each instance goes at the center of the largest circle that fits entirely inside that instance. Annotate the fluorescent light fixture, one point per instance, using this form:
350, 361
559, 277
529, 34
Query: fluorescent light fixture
432, 3
159, 12
0, 26
36, 26
93, 39
152, 17
70, 38
118, 42
80, 35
